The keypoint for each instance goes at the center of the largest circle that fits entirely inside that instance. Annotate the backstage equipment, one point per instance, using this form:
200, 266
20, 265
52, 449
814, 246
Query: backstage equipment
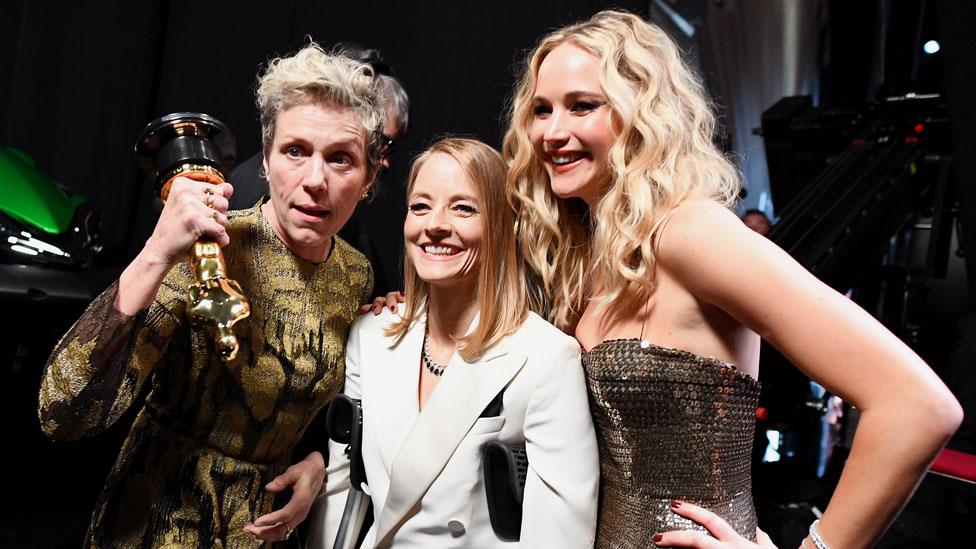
42, 222
344, 422
859, 194
883, 168
202, 148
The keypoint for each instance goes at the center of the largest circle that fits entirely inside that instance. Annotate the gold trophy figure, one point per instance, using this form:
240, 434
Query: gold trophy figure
202, 148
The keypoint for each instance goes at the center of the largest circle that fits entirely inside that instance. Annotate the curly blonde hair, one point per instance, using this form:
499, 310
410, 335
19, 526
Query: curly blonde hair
663, 155
312, 75
500, 295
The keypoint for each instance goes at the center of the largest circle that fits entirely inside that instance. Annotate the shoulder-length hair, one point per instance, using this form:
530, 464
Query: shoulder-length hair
662, 156
500, 294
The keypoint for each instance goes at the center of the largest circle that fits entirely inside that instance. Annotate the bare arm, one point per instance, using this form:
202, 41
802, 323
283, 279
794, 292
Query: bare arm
907, 413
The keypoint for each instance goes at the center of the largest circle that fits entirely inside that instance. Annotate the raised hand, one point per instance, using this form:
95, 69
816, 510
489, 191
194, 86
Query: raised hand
193, 209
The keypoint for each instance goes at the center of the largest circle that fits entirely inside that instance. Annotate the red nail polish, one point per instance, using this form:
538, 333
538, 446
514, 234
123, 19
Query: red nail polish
675, 504
658, 538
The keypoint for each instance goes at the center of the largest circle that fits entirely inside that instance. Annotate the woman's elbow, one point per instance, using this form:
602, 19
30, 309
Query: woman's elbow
947, 414
934, 414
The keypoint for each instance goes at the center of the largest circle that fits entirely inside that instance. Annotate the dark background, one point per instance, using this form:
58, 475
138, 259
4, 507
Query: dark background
79, 80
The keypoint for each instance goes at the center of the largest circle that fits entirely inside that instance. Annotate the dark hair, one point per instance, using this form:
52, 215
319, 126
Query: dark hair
391, 90
368, 56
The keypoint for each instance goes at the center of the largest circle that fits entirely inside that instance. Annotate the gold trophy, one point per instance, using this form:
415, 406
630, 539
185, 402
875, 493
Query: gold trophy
202, 148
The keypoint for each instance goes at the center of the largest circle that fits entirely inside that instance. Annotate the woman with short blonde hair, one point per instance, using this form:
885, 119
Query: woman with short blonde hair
211, 446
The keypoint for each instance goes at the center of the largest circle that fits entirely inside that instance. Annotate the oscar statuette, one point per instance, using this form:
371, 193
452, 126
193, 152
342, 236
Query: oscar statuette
202, 148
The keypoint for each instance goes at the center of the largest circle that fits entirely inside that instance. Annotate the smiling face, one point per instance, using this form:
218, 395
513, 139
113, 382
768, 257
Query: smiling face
316, 167
443, 229
572, 127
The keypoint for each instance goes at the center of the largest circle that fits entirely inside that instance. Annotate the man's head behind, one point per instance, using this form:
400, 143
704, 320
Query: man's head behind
396, 103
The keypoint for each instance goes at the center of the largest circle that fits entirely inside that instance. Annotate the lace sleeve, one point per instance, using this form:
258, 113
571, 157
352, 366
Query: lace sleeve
91, 379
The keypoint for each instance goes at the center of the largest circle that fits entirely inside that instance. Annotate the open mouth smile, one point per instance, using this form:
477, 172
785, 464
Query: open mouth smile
440, 250
564, 162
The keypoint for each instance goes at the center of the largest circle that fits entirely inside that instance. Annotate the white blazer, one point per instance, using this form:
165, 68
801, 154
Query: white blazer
424, 468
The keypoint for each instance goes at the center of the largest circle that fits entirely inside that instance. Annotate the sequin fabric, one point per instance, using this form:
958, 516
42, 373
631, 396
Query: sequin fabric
670, 425
211, 434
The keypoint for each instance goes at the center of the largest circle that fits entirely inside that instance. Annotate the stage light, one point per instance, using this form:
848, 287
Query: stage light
931, 47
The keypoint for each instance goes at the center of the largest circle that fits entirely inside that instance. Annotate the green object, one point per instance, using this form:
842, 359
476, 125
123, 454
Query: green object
27, 196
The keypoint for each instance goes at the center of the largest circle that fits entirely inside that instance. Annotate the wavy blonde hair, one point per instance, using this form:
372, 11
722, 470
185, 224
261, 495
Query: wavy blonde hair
663, 155
501, 294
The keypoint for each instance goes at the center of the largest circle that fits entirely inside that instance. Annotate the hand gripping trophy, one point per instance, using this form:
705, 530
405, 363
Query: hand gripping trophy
202, 148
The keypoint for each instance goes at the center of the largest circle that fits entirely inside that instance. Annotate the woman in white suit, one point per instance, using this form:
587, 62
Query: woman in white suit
429, 379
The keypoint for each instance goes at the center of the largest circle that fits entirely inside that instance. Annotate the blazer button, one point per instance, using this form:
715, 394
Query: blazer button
456, 527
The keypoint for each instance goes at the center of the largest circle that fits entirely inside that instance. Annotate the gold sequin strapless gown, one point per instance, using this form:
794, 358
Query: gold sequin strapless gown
670, 425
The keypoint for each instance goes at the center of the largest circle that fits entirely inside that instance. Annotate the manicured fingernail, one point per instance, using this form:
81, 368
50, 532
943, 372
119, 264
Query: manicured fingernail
675, 504
658, 538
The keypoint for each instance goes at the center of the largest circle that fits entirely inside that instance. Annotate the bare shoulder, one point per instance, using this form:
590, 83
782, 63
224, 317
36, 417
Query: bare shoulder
695, 223
710, 252
701, 230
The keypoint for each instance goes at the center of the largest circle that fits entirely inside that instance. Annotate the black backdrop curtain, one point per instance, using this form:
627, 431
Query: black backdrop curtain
78, 80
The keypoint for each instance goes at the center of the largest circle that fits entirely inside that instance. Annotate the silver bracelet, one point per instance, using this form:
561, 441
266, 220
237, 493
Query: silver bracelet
815, 536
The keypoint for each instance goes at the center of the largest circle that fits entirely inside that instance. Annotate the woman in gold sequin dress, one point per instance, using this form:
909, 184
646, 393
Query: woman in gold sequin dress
211, 436
624, 222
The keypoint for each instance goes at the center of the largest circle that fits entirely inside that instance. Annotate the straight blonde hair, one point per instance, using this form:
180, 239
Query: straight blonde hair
501, 294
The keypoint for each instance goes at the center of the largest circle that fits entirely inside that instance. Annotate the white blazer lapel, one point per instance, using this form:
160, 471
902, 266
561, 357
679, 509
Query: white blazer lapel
455, 404
395, 401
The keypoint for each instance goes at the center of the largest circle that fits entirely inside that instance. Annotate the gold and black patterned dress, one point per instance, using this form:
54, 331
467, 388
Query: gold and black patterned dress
671, 425
211, 434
